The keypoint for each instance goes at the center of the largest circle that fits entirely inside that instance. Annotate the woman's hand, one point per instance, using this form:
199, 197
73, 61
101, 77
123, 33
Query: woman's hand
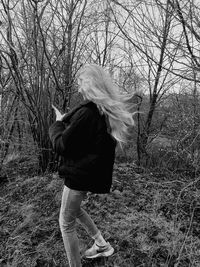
59, 116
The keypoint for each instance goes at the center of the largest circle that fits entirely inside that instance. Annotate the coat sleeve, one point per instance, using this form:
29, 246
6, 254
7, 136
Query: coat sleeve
67, 140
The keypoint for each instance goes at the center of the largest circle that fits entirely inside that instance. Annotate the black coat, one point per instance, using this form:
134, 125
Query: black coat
88, 150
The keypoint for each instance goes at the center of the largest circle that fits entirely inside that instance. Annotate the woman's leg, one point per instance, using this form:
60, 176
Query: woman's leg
100, 246
70, 209
87, 222
90, 227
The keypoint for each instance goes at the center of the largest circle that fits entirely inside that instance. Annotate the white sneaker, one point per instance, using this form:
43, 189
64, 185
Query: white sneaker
99, 251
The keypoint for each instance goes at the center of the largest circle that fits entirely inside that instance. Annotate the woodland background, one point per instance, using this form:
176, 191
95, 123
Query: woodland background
152, 49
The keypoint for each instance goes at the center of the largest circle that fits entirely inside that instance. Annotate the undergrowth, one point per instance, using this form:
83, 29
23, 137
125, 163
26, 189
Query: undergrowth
151, 219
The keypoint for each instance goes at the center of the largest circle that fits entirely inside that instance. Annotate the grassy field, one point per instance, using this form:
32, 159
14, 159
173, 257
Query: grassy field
151, 219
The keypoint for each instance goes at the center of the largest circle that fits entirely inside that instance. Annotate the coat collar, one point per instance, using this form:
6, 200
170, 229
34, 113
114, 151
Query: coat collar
67, 117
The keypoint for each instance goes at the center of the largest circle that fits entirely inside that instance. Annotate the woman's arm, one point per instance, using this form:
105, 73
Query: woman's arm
68, 140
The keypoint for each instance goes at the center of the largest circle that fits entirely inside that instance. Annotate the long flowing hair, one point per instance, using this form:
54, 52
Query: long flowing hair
96, 85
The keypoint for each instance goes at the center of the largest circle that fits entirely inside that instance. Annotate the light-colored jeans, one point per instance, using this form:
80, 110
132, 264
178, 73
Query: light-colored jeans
70, 211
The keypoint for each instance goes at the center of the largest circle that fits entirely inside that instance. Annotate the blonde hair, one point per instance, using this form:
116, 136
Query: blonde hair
96, 85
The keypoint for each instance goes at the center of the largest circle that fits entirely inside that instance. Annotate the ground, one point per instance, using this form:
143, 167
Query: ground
150, 218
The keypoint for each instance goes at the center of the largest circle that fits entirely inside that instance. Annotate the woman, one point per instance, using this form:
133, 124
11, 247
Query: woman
86, 138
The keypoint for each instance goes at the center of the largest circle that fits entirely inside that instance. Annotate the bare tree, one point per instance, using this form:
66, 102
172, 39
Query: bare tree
44, 43
148, 29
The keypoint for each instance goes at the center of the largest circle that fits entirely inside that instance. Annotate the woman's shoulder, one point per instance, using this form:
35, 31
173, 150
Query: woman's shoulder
79, 110
89, 107
86, 111
88, 104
